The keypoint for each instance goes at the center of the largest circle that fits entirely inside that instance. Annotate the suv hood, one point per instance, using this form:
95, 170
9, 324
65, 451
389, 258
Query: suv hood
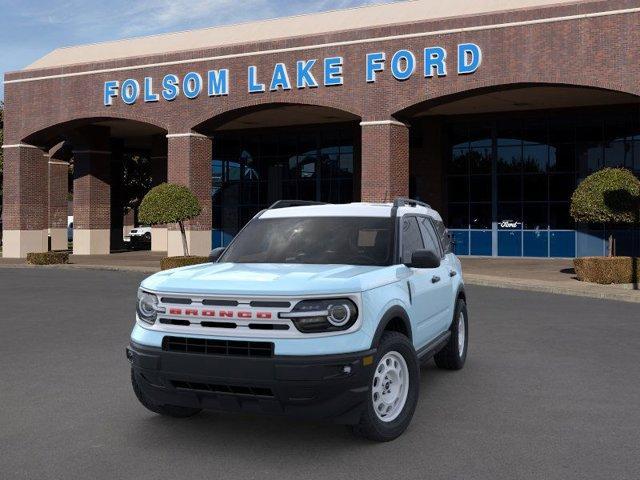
272, 279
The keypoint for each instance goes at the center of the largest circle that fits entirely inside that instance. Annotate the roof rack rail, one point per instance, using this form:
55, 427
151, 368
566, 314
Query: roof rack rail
404, 202
293, 203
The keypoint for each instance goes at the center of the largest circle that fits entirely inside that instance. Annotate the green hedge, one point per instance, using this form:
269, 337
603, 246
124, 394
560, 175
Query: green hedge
48, 258
607, 270
176, 262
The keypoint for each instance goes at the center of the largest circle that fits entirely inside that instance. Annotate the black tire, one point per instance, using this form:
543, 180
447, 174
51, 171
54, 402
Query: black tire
450, 357
166, 410
372, 427
147, 236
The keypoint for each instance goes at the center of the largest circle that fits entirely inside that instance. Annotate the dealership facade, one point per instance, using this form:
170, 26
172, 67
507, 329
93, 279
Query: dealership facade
491, 113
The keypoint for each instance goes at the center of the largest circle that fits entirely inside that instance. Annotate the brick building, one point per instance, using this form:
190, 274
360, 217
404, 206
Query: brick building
491, 111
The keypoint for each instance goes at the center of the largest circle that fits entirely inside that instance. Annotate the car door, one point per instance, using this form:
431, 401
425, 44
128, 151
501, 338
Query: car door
445, 298
426, 285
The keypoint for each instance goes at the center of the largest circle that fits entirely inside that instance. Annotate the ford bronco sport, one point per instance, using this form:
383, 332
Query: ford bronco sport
314, 310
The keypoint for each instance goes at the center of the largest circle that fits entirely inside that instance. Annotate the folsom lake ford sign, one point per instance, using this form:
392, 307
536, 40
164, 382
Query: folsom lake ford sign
310, 73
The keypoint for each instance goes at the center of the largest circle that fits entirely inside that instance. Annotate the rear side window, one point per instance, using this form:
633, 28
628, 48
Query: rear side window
443, 235
411, 238
431, 241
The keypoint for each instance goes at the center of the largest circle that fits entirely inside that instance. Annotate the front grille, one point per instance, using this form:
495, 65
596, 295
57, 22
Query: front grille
229, 389
207, 346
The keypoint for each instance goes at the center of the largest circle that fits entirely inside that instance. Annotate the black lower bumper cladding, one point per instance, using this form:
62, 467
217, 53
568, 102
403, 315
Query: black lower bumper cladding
328, 387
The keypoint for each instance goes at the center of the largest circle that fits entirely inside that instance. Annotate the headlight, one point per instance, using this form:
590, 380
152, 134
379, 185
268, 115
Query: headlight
147, 307
318, 316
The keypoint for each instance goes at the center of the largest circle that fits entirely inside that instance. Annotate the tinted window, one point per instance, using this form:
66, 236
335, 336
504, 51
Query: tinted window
314, 240
431, 241
443, 234
411, 238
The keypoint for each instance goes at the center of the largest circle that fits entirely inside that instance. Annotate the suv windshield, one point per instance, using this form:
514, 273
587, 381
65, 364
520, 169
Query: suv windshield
314, 240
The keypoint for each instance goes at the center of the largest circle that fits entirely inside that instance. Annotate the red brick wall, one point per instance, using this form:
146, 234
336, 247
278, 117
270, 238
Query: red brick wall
24, 201
91, 190
595, 52
385, 162
58, 189
591, 52
189, 164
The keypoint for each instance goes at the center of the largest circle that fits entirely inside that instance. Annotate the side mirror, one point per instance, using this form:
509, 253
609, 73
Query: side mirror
424, 259
216, 253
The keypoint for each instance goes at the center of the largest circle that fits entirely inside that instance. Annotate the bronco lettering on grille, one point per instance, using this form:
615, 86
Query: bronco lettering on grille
245, 315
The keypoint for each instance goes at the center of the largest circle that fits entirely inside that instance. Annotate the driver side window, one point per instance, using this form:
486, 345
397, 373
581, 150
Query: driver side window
411, 238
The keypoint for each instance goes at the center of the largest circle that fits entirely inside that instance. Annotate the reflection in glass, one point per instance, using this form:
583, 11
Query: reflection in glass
253, 169
480, 216
510, 159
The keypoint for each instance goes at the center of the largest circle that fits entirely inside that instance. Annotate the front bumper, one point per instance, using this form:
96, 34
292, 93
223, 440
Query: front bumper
320, 387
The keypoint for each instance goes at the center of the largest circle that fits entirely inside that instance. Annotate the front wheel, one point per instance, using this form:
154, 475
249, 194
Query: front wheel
454, 354
393, 392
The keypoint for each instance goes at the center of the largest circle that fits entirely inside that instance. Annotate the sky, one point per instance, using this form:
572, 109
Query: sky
30, 29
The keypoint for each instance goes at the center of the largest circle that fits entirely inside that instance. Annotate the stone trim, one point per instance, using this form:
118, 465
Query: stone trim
189, 134
21, 145
383, 122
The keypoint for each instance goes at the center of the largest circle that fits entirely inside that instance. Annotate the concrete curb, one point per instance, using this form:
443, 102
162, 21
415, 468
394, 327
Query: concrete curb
603, 292
73, 266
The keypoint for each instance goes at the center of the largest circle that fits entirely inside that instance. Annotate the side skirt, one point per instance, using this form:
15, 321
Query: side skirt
433, 347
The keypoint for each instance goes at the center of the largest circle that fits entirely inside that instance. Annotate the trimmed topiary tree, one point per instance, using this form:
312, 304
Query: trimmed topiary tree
611, 195
170, 203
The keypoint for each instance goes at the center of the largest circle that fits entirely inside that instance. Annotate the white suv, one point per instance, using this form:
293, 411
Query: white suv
315, 311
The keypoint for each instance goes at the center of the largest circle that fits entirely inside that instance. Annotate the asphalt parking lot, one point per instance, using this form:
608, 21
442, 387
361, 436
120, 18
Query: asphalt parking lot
551, 390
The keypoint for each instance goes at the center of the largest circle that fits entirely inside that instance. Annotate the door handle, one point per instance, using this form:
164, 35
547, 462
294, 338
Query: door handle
435, 279
453, 273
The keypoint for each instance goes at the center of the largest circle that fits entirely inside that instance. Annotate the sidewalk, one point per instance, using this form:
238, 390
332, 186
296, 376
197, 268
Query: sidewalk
136, 261
538, 275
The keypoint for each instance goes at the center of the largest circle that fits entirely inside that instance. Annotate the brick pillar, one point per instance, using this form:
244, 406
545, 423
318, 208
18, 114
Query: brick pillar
159, 175
58, 190
189, 164
24, 201
117, 208
92, 192
385, 161
427, 163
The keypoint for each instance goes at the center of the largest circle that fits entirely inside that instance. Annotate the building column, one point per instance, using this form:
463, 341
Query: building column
58, 191
189, 164
24, 201
427, 164
92, 193
159, 233
385, 160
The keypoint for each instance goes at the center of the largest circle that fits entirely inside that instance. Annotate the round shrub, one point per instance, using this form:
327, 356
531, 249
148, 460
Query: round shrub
611, 195
168, 203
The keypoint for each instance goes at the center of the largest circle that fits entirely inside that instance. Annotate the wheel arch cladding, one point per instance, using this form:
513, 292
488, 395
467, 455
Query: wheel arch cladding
461, 294
395, 319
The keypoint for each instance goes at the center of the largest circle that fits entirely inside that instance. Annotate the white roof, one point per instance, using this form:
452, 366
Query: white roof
346, 210
273, 29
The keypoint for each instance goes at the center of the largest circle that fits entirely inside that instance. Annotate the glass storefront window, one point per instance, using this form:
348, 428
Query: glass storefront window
510, 158
254, 168
535, 160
